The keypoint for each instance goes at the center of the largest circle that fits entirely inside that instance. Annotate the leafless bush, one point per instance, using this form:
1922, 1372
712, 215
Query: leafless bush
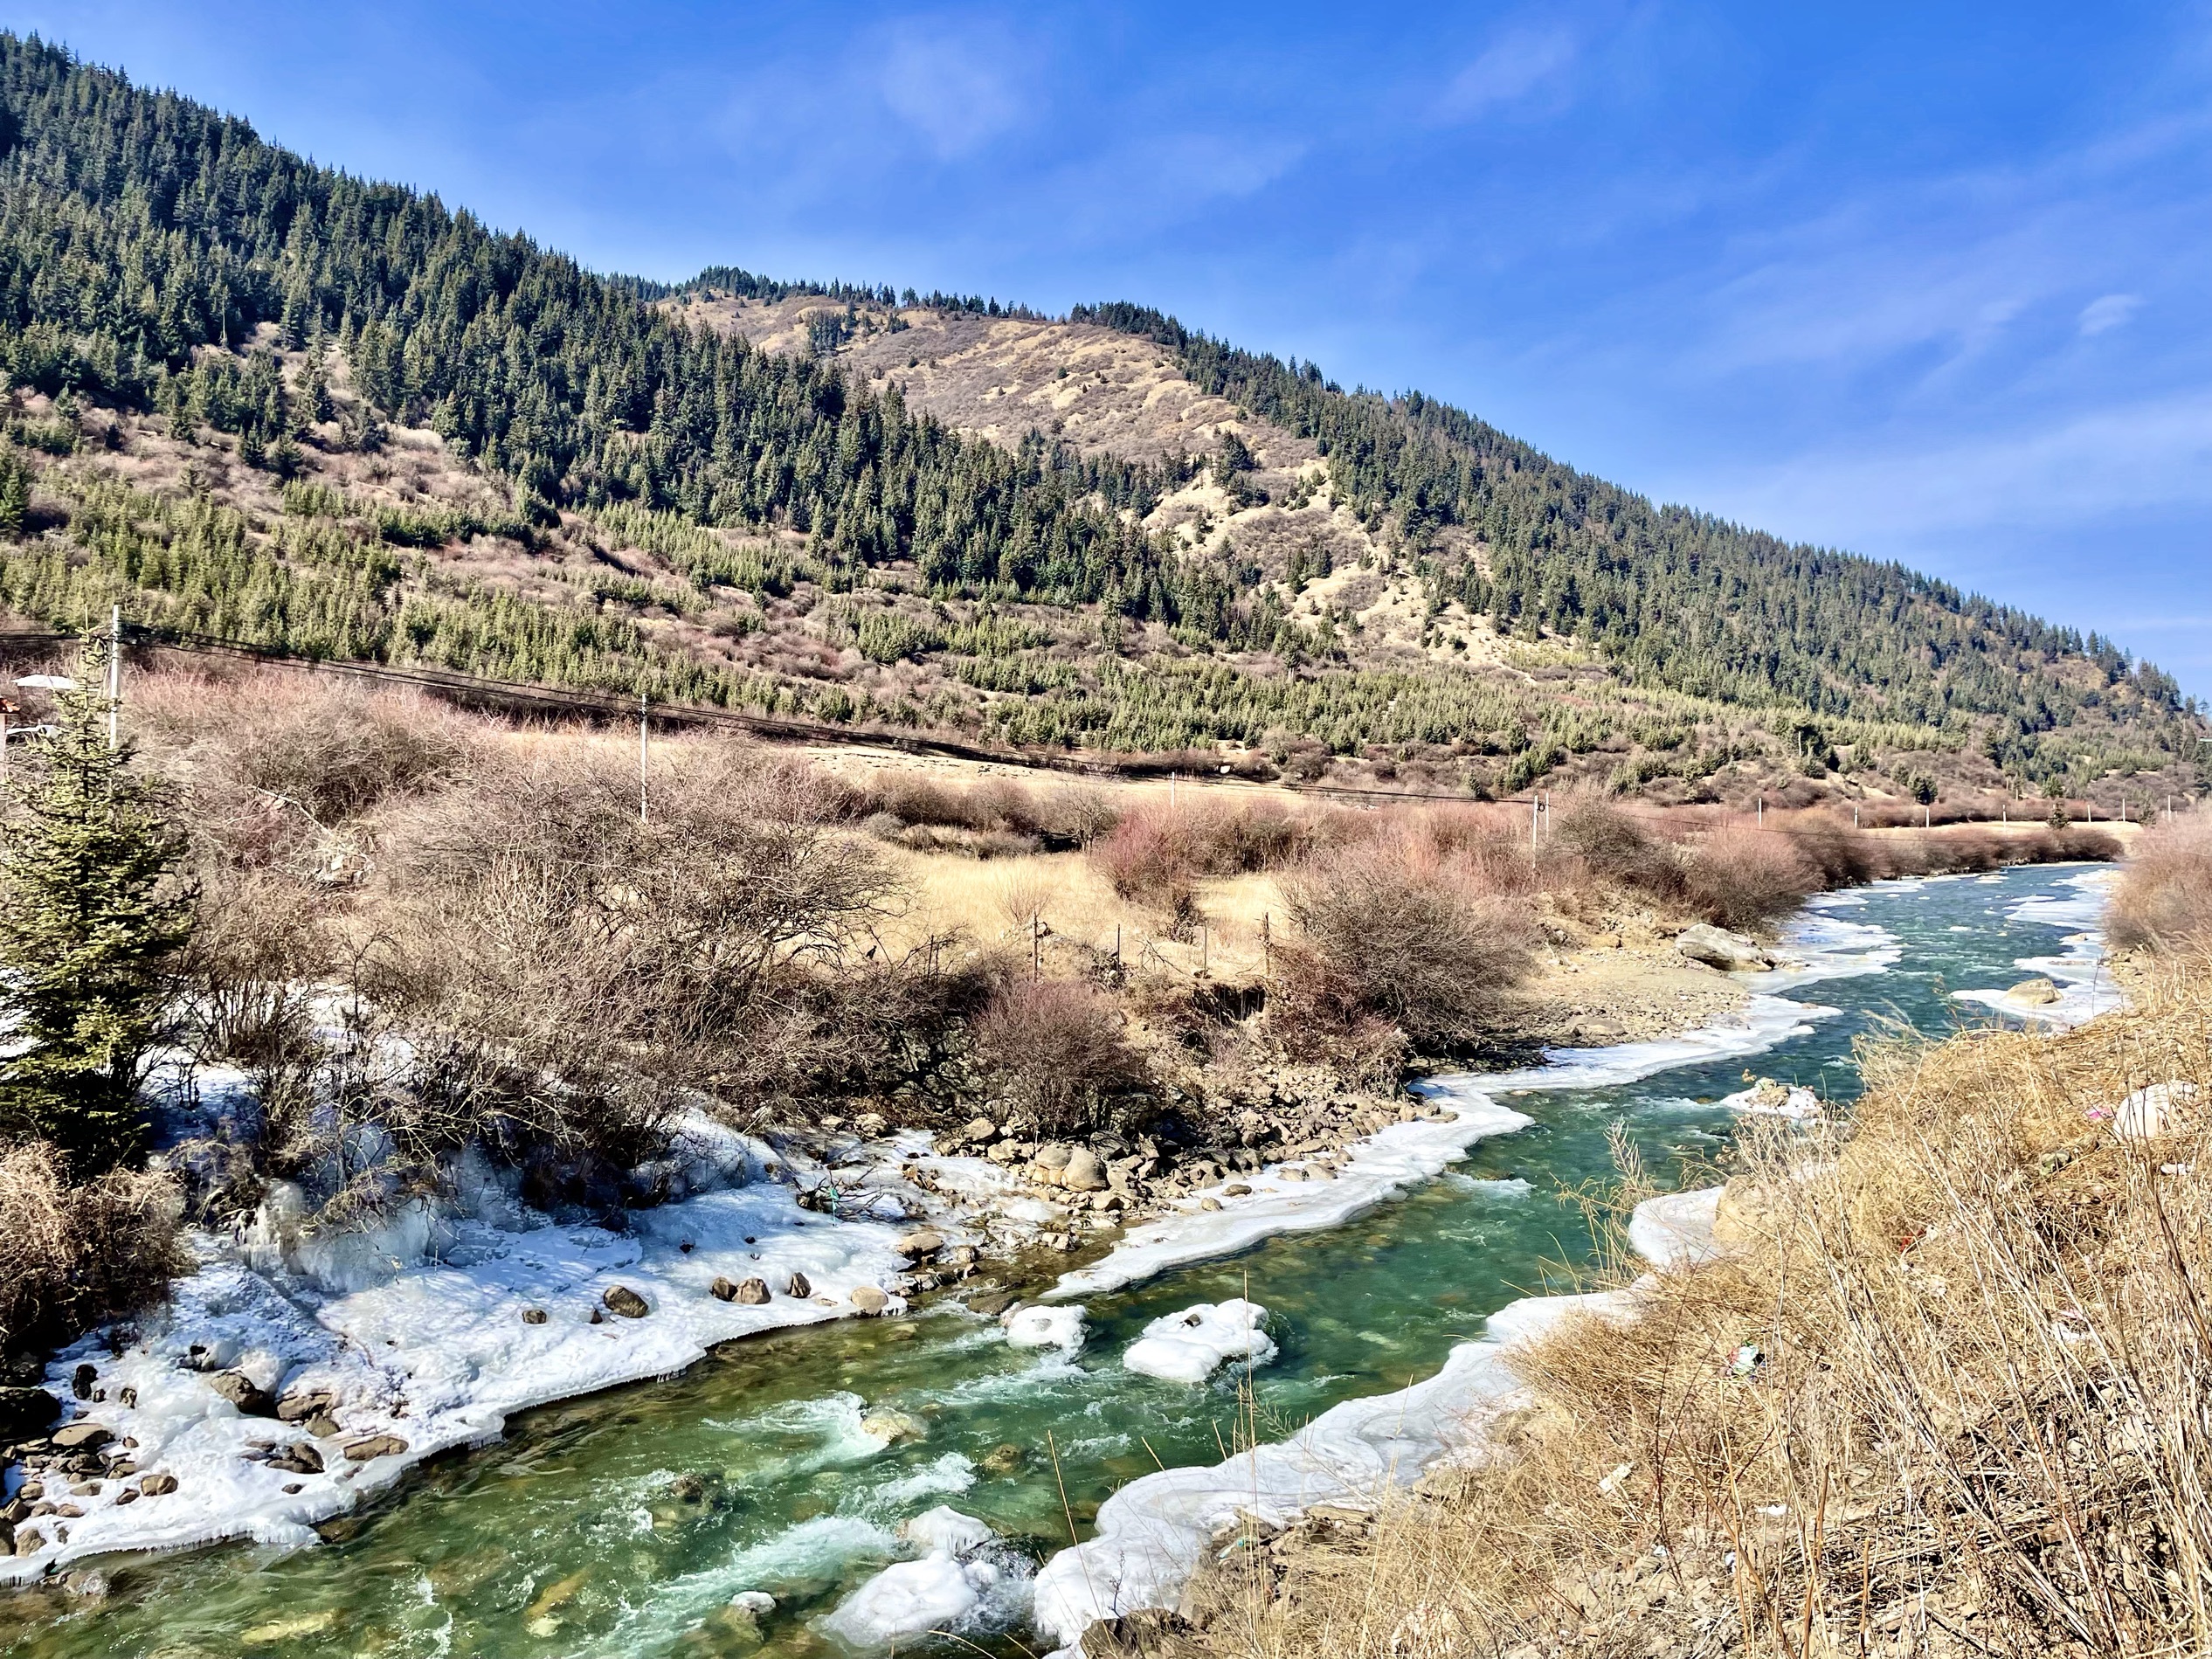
1409, 937
581, 966
1057, 1060
70, 1256
1616, 846
1746, 878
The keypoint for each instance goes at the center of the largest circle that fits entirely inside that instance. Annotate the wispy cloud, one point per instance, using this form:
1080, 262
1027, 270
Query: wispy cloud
2108, 312
957, 86
1521, 64
2078, 470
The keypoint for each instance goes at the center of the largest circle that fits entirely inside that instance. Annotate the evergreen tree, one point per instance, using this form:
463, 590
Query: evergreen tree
90, 909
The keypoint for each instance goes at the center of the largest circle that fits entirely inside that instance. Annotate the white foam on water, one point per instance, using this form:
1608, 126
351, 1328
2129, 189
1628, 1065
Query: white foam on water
945, 1475
1190, 1346
1508, 1186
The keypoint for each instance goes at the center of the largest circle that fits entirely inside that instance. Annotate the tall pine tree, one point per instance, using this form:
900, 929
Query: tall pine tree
91, 908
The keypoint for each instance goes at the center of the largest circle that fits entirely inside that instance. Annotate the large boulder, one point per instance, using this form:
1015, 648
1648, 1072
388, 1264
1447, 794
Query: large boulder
1718, 948
1086, 1172
2038, 993
920, 1246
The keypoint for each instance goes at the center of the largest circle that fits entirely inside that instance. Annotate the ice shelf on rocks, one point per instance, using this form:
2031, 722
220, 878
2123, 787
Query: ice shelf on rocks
1040, 1327
961, 1583
416, 1330
1190, 1346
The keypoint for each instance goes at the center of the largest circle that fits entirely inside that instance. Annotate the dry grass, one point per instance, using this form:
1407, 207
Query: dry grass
2164, 897
1950, 1396
72, 1255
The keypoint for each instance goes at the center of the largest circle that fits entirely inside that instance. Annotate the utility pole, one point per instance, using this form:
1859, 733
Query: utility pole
1762, 811
641, 757
1266, 941
115, 676
1534, 808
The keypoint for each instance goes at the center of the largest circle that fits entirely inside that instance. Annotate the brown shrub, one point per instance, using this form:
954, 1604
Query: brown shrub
2165, 896
1400, 934
1745, 878
570, 967
1057, 1060
1615, 846
70, 1256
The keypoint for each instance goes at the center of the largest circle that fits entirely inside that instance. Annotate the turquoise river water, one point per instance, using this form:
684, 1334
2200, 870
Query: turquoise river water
624, 1523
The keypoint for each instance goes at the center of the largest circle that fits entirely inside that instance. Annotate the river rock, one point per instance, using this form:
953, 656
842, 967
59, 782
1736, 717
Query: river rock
868, 1299
980, 1132
23, 1411
297, 1405
892, 1427
1004, 1458
1054, 1155
533, 1315
1085, 1171
251, 1398
157, 1485
753, 1292
2035, 994
920, 1246
80, 1383
368, 1445
80, 1437
621, 1299
299, 1458
800, 1286
1718, 948
324, 1427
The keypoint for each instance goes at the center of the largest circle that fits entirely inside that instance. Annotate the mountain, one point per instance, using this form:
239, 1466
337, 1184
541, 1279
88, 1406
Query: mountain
263, 400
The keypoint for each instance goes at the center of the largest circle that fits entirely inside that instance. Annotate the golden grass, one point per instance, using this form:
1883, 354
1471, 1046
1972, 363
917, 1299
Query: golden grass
1951, 1394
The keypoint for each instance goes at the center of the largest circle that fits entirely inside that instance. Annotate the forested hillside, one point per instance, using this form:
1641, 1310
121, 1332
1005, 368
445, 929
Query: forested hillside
262, 398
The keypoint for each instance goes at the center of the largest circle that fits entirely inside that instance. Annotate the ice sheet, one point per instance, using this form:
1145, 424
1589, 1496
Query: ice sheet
1190, 1346
1151, 1534
434, 1351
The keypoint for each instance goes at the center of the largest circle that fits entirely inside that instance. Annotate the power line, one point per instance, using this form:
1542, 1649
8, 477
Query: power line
613, 706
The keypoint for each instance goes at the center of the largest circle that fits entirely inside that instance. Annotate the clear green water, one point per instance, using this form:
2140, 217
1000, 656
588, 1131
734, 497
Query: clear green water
572, 1536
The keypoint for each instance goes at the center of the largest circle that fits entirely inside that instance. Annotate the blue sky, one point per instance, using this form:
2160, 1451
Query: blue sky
1921, 281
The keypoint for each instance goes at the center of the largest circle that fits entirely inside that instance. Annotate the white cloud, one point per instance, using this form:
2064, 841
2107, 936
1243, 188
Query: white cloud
2112, 311
1519, 63
956, 91
2078, 470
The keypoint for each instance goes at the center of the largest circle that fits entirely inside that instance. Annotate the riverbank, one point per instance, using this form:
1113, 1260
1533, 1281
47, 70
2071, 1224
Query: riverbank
1606, 1511
425, 1335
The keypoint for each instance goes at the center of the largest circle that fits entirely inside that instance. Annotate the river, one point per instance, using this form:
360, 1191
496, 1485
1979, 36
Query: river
624, 1524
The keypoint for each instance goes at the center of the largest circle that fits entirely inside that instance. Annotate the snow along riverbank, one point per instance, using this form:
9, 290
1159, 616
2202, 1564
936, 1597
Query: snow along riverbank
1248, 1208
2079, 974
1151, 1535
425, 1334
389, 1346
